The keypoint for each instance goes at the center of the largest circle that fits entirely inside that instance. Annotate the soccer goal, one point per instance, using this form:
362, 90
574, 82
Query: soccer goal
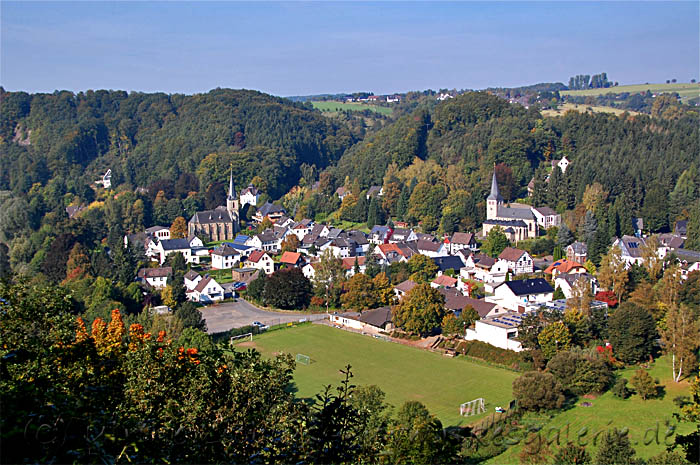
473, 407
303, 359
241, 338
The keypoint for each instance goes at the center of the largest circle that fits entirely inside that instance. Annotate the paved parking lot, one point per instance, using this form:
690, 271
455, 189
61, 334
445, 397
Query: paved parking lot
224, 316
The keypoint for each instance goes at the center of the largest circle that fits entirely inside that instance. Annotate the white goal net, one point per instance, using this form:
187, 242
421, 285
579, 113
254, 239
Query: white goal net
303, 359
240, 338
473, 407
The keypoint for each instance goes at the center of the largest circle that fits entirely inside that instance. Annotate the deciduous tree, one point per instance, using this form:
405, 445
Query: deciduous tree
420, 311
680, 337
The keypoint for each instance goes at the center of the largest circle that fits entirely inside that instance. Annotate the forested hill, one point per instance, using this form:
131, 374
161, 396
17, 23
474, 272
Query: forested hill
448, 153
144, 138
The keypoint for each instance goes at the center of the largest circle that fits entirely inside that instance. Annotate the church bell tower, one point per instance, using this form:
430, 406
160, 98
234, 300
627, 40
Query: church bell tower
493, 200
232, 203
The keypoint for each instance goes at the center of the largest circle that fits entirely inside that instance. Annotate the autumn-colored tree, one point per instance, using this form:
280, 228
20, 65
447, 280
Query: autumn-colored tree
167, 296
535, 450
669, 287
78, 264
329, 277
359, 293
612, 274
290, 243
178, 229
420, 311
553, 338
422, 268
383, 290
581, 297
644, 384
680, 337
594, 197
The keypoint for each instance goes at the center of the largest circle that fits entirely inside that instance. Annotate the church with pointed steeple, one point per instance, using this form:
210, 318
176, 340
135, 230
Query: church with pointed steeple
517, 223
220, 224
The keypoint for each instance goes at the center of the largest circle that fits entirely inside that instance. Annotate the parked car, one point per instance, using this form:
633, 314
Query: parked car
261, 326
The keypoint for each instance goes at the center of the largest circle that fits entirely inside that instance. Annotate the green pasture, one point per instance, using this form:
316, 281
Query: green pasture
334, 106
685, 90
403, 373
607, 412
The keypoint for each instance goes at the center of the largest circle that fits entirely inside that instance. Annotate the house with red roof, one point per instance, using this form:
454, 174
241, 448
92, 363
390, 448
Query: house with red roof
564, 266
518, 260
261, 261
444, 281
291, 259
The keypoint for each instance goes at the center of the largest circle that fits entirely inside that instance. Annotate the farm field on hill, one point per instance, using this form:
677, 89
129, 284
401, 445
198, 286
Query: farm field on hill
586, 109
685, 90
342, 106
608, 411
403, 373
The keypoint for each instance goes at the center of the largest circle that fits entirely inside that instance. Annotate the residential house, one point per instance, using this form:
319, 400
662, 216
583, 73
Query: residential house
350, 262
170, 246
370, 321
520, 294
564, 266
155, 277
341, 192
631, 249
566, 281
291, 259
309, 270
380, 234
269, 210
266, 241
374, 191
284, 222
158, 232
224, 257
261, 261
497, 330
481, 267
402, 235
73, 210
462, 241
449, 262
191, 279
302, 228
577, 252
206, 291
563, 164
432, 249
361, 242
249, 196
681, 228
546, 217
444, 281
388, 254
403, 288
519, 261
408, 249
106, 180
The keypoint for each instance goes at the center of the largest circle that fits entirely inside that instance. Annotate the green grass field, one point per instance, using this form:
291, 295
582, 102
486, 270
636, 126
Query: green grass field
685, 90
608, 411
586, 109
404, 373
333, 106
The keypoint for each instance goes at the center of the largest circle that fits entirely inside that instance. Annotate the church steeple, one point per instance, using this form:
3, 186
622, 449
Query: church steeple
231, 189
495, 195
494, 199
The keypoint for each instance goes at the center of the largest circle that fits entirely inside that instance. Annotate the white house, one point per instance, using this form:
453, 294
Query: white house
483, 268
498, 330
370, 321
158, 232
309, 271
170, 246
462, 241
566, 281
224, 258
519, 261
302, 228
261, 261
106, 179
520, 294
432, 249
380, 234
155, 277
563, 164
631, 249
249, 196
546, 217
266, 241
207, 290
191, 280
402, 235
349, 265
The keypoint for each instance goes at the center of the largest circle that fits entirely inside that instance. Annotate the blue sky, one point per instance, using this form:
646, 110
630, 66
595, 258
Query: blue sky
300, 48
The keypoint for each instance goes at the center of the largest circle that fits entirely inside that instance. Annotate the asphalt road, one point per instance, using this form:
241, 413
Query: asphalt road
224, 316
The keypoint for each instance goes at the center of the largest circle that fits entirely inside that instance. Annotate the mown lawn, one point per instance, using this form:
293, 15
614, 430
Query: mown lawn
685, 90
403, 373
607, 412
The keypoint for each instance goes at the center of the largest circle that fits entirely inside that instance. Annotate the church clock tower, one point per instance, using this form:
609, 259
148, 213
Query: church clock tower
232, 204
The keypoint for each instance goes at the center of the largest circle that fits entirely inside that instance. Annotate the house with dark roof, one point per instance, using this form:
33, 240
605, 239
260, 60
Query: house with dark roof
577, 252
206, 291
631, 249
461, 241
370, 321
155, 277
481, 267
566, 282
516, 223
191, 279
249, 196
73, 210
681, 228
432, 249
269, 210
224, 257
402, 235
380, 234
518, 295
449, 262
186, 247
546, 217
374, 191
403, 288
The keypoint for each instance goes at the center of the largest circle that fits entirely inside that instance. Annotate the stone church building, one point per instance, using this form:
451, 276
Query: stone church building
220, 224
516, 223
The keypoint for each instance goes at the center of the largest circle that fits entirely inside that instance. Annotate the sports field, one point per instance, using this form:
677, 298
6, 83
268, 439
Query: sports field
403, 373
607, 411
685, 90
353, 106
